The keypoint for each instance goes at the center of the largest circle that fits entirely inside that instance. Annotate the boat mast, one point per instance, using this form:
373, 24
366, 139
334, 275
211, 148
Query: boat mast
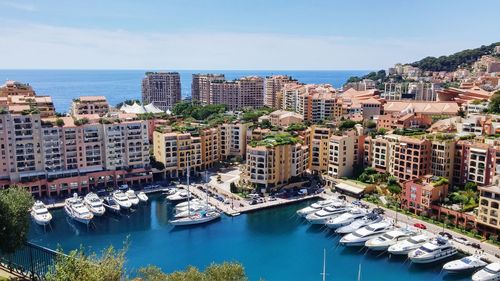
324, 265
189, 192
206, 187
359, 273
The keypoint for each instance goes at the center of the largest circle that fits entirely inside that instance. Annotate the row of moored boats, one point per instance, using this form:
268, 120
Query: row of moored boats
84, 209
360, 227
189, 210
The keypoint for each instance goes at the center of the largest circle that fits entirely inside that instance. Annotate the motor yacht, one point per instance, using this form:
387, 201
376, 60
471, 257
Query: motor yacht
122, 200
94, 204
412, 243
383, 242
360, 236
180, 195
322, 216
196, 218
132, 197
142, 197
437, 249
194, 209
111, 204
359, 223
77, 211
464, 264
491, 272
346, 218
40, 214
318, 206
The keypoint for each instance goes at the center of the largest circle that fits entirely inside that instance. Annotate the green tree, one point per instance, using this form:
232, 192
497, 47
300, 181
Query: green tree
78, 266
59, 122
347, 124
494, 106
15, 205
214, 272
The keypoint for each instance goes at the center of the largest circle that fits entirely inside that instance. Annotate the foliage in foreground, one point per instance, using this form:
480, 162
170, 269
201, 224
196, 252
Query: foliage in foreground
78, 266
109, 266
215, 272
15, 205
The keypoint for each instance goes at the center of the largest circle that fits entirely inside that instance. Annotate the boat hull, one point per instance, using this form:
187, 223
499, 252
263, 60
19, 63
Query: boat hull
77, 219
424, 260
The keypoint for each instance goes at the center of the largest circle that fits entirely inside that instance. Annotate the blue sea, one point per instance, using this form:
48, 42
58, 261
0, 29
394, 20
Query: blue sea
273, 244
119, 85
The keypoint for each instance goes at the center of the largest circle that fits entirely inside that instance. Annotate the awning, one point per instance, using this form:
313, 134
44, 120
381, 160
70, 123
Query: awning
349, 188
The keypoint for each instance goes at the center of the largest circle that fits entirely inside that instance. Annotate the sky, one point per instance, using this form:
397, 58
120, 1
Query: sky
239, 34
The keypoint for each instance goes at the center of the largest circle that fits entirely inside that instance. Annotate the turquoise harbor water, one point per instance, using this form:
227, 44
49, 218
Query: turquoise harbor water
273, 244
119, 85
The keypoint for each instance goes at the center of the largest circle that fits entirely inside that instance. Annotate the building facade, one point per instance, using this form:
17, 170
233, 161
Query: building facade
163, 89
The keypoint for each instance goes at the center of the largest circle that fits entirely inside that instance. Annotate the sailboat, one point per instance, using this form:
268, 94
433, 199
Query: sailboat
197, 217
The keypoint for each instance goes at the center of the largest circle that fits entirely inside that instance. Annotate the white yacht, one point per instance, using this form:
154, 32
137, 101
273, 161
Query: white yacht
322, 216
122, 200
318, 206
346, 218
464, 264
193, 210
76, 210
196, 218
40, 214
490, 273
383, 242
360, 236
94, 204
180, 195
111, 204
184, 205
412, 243
142, 196
359, 223
434, 250
132, 197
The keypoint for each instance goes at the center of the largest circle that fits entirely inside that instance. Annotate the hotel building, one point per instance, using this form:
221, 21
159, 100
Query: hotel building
163, 89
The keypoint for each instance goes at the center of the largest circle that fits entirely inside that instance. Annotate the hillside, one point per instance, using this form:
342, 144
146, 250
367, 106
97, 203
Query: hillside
452, 62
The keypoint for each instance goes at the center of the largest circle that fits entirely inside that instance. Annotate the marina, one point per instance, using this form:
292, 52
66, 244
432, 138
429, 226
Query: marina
295, 244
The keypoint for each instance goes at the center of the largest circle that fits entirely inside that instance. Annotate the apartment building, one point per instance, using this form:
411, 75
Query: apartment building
271, 166
342, 155
474, 162
419, 194
163, 89
273, 86
380, 156
442, 157
251, 92
290, 95
210, 146
89, 105
30, 104
319, 149
233, 140
488, 217
411, 158
226, 93
14, 88
200, 86
175, 149
282, 118
51, 158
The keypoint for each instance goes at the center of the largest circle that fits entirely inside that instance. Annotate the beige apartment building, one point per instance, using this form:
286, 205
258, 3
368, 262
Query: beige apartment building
210, 146
163, 89
342, 154
226, 93
233, 140
22, 104
475, 162
442, 157
89, 105
51, 158
274, 165
273, 86
319, 153
14, 88
282, 118
488, 217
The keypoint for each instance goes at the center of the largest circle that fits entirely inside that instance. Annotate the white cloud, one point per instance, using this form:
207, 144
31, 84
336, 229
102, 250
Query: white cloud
44, 46
18, 5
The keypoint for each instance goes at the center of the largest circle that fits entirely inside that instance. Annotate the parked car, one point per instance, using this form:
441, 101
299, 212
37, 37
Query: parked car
378, 211
445, 234
272, 198
420, 225
475, 245
260, 200
461, 240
